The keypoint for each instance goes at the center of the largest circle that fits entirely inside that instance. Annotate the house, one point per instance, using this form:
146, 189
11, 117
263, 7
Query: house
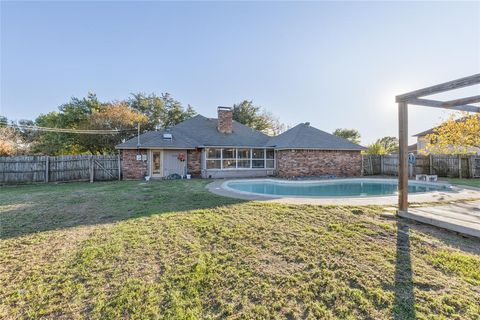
422, 142
224, 148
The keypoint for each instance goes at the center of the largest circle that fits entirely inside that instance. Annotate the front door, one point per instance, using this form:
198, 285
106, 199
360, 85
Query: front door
157, 163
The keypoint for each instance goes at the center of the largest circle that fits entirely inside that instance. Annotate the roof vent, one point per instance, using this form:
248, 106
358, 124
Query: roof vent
307, 123
167, 136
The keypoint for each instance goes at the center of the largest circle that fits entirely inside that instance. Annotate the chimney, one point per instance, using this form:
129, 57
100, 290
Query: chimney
225, 121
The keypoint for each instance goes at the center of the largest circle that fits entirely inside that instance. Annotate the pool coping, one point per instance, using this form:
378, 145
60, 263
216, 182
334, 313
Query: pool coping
220, 187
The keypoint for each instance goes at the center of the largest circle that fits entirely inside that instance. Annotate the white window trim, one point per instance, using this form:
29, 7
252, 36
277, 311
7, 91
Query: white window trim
236, 159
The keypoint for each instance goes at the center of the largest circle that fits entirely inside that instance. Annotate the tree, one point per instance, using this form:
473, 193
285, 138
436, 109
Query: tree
3, 121
152, 106
460, 134
350, 134
376, 148
390, 144
115, 116
174, 111
53, 143
163, 111
257, 118
11, 142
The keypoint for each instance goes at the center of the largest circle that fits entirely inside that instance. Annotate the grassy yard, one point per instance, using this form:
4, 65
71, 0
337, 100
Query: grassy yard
466, 182
172, 250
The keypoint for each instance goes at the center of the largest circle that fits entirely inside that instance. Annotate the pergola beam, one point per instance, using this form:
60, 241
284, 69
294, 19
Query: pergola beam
447, 86
462, 101
440, 104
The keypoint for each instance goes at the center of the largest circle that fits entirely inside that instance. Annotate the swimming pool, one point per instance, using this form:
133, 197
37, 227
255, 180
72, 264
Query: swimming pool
330, 188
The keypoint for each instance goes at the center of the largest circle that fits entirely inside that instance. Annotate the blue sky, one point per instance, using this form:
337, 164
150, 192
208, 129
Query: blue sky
330, 63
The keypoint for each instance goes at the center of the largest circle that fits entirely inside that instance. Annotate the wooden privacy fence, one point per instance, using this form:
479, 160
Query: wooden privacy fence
451, 166
24, 169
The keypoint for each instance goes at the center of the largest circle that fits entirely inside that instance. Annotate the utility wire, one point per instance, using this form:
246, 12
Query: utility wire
64, 130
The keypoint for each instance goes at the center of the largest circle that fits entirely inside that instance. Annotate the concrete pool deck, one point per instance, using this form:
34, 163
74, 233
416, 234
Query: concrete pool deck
460, 193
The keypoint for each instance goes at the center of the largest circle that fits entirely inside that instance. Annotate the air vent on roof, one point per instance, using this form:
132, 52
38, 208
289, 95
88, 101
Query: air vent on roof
307, 123
167, 136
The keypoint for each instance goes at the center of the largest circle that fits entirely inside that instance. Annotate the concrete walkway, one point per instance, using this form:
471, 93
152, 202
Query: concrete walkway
460, 217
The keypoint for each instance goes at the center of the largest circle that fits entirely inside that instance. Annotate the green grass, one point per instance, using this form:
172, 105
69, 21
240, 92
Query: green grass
466, 182
173, 250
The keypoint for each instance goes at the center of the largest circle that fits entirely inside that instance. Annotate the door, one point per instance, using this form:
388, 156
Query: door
156, 163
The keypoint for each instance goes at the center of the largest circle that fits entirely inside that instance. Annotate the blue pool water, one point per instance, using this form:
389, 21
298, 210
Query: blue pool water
337, 188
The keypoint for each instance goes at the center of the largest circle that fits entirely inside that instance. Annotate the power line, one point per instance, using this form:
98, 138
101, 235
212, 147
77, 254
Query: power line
65, 130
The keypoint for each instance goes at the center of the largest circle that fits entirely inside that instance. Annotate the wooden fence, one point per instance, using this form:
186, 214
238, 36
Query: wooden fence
24, 169
451, 166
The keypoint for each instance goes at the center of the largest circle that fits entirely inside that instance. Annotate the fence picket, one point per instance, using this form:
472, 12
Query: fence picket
25, 169
451, 166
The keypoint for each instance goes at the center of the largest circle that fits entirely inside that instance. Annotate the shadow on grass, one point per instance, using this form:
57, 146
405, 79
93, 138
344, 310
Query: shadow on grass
32, 209
404, 307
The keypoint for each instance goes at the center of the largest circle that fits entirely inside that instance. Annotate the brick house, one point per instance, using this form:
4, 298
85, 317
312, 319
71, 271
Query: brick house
224, 148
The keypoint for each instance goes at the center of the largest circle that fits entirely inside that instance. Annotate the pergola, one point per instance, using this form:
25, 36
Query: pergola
415, 98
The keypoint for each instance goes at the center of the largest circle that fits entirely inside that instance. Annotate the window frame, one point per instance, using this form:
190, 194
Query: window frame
237, 159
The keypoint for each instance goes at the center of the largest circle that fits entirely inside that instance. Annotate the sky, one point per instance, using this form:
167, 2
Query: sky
333, 64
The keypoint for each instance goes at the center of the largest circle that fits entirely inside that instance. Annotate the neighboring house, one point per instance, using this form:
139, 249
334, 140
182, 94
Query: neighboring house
422, 142
223, 148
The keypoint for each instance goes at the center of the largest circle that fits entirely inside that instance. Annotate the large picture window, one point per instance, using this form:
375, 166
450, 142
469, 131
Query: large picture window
241, 158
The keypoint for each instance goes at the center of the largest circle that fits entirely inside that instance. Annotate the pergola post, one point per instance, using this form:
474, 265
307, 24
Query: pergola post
403, 156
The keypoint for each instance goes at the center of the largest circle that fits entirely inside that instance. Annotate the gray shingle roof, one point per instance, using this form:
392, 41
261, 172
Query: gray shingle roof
154, 139
198, 132
202, 132
304, 136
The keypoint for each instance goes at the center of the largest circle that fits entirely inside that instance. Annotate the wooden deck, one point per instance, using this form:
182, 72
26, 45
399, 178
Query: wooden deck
459, 217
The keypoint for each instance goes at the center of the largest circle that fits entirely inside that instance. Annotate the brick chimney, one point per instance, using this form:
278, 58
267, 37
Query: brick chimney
225, 121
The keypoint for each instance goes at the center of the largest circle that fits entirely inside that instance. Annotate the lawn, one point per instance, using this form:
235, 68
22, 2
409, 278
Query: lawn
172, 250
466, 182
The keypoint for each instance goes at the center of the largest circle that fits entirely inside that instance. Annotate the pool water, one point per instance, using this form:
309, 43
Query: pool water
331, 188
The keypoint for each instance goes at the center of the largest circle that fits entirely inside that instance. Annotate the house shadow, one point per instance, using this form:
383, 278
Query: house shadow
404, 304
40, 208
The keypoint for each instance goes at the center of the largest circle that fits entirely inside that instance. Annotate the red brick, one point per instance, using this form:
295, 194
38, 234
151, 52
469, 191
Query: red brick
301, 163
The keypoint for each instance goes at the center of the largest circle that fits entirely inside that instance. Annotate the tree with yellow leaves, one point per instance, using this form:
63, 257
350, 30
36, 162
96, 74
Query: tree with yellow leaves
460, 134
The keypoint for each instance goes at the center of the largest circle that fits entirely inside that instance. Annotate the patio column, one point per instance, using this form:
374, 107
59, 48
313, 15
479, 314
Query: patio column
403, 156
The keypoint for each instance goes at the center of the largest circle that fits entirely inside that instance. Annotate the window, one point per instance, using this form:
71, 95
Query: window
214, 164
214, 158
258, 158
214, 153
242, 158
270, 159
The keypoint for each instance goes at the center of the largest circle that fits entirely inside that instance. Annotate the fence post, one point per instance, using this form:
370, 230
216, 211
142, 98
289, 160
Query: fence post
47, 169
430, 161
119, 167
460, 166
471, 168
91, 169
381, 165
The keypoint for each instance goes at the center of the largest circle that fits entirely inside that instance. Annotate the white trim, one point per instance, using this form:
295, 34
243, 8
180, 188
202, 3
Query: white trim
236, 159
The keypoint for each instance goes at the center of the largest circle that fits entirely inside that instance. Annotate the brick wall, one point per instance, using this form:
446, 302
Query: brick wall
131, 167
194, 162
300, 163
